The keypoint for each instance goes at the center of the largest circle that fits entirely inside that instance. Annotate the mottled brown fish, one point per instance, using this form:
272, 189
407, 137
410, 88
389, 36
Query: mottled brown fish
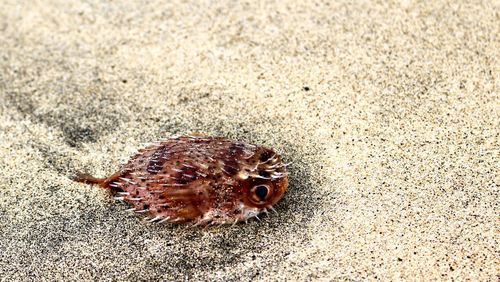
199, 179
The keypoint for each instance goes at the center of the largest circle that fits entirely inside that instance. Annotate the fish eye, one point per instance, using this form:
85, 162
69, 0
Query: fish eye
260, 193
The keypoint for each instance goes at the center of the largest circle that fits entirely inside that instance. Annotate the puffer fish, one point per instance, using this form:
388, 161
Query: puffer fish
198, 179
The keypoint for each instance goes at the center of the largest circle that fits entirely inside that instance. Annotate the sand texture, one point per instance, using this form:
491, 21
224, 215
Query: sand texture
389, 111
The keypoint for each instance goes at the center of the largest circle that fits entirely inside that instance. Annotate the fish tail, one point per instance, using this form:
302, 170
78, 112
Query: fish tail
88, 179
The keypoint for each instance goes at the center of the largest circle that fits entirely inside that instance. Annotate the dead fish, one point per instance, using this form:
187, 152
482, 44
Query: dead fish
198, 179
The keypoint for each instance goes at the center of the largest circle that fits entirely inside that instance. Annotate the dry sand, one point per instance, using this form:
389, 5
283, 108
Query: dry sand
388, 111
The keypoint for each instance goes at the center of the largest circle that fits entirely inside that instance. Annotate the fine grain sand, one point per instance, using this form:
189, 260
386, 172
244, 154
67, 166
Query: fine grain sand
389, 112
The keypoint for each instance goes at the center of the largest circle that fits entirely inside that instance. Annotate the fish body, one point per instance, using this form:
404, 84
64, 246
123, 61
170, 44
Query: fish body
199, 179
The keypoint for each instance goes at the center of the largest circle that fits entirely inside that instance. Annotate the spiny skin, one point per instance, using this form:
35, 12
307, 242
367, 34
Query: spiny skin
199, 179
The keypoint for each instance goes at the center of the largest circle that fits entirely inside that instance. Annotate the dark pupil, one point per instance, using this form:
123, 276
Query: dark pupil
261, 192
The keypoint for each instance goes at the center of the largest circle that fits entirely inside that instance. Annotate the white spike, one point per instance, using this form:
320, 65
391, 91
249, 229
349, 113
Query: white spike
119, 198
259, 176
271, 208
201, 174
172, 185
127, 180
271, 158
255, 167
164, 219
201, 165
155, 218
199, 222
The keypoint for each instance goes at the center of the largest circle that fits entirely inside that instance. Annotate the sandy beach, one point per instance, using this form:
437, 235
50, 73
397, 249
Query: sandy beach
388, 111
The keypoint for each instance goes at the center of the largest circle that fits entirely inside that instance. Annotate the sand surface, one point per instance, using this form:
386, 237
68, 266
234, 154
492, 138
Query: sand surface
389, 112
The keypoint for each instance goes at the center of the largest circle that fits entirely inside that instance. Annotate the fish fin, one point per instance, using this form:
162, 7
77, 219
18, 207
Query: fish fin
88, 179
187, 193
